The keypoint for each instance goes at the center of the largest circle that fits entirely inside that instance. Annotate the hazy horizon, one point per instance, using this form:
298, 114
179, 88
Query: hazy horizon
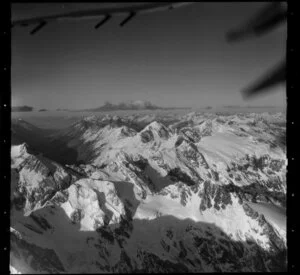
174, 58
35, 109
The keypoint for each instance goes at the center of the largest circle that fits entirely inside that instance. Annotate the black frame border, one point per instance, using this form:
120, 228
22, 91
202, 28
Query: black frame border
292, 122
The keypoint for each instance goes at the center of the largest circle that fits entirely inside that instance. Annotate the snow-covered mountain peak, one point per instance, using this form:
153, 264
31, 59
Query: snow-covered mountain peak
18, 151
93, 203
155, 131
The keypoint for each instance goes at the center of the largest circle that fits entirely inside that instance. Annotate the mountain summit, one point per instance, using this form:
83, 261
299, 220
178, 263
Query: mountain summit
132, 105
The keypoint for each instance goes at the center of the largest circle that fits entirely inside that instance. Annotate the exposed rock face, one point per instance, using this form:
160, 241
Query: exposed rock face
38, 178
147, 136
154, 197
192, 134
216, 193
176, 175
206, 128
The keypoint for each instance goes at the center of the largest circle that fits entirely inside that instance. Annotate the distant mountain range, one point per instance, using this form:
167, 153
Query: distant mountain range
248, 106
132, 105
21, 108
61, 110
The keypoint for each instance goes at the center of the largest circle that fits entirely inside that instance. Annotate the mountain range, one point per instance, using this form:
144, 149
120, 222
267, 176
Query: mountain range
132, 105
21, 108
199, 192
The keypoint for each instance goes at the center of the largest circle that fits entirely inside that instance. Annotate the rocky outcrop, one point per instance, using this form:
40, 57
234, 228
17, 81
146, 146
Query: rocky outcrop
213, 195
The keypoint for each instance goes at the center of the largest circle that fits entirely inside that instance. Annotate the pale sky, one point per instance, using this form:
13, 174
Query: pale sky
172, 58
